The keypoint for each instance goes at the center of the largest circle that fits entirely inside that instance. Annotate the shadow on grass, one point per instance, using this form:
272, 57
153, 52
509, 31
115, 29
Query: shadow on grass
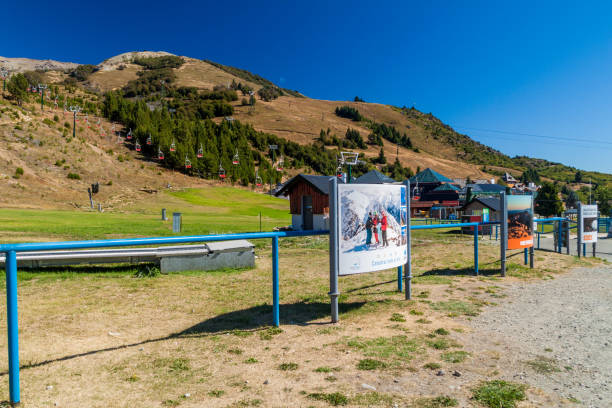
253, 319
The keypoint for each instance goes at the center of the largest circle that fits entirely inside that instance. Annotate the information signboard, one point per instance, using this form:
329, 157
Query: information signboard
520, 221
371, 228
588, 215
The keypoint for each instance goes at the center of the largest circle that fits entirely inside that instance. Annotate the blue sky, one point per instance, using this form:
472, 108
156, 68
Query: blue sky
528, 78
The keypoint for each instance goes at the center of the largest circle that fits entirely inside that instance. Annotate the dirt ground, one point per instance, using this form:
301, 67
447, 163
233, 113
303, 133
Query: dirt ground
203, 339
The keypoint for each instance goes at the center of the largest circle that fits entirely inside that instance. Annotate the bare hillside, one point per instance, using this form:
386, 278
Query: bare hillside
39, 167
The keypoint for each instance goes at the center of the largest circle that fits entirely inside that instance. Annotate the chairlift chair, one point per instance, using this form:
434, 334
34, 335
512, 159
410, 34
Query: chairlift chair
279, 166
119, 139
187, 163
129, 135
160, 154
99, 122
258, 181
221, 172
236, 159
200, 153
173, 147
339, 172
102, 132
149, 140
138, 147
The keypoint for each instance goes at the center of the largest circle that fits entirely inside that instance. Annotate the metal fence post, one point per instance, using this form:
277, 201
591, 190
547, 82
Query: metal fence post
503, 232
12, 326
408, 270
275, 294
567, 237
525, 256
399, 279
333, 248
476, 249
531, 257
579, 230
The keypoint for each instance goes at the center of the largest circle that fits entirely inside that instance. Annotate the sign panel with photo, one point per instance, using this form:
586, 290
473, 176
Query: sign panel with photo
520, 221
588, 214
372, 227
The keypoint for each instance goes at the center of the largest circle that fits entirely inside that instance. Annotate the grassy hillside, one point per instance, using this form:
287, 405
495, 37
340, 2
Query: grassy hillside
205, 90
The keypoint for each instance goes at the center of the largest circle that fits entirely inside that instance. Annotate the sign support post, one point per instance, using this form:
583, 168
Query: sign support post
503, 232
408, 272
579, 230
334, 248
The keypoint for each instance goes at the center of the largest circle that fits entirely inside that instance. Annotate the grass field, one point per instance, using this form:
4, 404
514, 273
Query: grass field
205, 211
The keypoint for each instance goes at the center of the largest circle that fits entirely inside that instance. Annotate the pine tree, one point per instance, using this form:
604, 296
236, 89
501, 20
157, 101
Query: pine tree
18, 87
547, 202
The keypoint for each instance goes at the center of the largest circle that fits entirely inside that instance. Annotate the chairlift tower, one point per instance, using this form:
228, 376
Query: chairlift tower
350, 159
75, 110
41, 88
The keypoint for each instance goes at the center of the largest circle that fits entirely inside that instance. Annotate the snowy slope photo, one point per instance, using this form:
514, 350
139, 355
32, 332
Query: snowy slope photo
371, 227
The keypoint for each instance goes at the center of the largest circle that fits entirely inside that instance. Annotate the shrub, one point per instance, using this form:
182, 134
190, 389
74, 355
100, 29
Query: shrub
268, 93
74, 176
370, 364
349, 113
288, 367
166, 61
56, 118
333, 399
499, 394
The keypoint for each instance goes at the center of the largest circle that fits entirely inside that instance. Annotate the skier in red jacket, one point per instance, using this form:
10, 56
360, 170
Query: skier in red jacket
383, 228
375, 227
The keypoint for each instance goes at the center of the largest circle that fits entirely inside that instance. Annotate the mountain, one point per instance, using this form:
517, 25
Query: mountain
308, 131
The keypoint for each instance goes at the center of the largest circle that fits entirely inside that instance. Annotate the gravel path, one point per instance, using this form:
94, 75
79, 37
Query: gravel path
572, 315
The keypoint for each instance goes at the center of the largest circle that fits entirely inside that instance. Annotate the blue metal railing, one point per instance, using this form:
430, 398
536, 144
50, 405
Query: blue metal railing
11, 276
11, 272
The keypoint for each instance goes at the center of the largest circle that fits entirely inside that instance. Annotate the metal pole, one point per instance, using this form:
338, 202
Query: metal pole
594, 249
260, 221
579, 230
525, 255
476, 249
333, 248
74, 125
567, 237
349, 174
503, 232
275, 296
531, 257
399, 279
12, 325
584, 249
408, 274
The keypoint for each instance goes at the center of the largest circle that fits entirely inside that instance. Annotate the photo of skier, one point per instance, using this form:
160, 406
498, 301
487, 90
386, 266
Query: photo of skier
371, 227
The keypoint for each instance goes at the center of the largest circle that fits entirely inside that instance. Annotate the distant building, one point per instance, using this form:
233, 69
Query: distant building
476, 206
509, 179
425, 181
374, 177
308, 201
